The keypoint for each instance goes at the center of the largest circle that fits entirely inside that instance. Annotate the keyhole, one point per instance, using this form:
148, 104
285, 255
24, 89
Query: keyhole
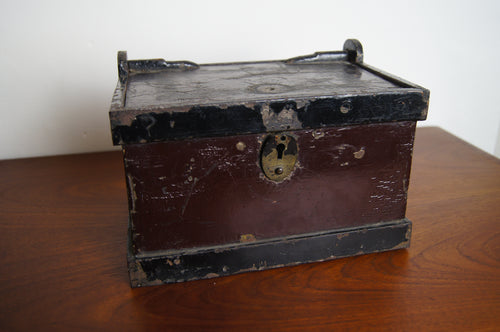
280, 148
275, 165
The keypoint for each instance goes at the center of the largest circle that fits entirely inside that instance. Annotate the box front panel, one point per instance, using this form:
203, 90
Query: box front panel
212, 191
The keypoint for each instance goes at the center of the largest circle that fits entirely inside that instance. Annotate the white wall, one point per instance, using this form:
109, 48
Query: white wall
58, 58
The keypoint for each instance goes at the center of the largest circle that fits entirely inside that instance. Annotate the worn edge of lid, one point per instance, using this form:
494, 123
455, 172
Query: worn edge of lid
154, 124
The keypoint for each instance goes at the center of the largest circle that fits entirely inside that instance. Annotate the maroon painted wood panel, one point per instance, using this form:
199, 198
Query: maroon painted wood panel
211, 191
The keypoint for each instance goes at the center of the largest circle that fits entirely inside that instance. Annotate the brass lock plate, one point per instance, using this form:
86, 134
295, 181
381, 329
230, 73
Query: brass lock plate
278, 156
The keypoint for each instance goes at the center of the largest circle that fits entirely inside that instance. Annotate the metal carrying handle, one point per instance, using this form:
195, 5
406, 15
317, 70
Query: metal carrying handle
125, 67
352, 52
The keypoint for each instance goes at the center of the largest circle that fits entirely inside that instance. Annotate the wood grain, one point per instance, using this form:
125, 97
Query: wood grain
63, 243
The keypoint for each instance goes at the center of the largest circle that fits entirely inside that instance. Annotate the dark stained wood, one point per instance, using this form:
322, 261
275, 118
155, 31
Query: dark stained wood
63, 265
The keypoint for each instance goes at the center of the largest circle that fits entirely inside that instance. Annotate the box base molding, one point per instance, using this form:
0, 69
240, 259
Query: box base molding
208, 262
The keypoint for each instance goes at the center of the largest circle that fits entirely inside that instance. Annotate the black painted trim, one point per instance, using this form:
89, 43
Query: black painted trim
202, 263
214, 121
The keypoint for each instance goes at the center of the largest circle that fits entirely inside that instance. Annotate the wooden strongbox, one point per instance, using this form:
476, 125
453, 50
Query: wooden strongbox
245, 166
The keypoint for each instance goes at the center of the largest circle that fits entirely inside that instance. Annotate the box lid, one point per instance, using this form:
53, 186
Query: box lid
157, 100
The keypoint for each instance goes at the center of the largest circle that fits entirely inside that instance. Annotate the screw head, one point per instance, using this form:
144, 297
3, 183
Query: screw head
345, 107
278, 170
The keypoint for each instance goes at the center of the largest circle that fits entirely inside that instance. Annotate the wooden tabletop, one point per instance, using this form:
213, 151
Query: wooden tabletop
63, 226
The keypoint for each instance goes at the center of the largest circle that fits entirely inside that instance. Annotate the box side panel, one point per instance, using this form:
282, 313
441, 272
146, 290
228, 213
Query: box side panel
211, 191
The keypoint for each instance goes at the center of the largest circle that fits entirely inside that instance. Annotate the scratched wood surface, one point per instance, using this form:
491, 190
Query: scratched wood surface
226, 83
63, 243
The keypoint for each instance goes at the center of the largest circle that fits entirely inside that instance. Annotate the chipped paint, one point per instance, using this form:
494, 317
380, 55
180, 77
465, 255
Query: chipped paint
360, 153
241, 146
318, 133
133, 194
286, 119
342, 235
139, 278
302, 103
247, 238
